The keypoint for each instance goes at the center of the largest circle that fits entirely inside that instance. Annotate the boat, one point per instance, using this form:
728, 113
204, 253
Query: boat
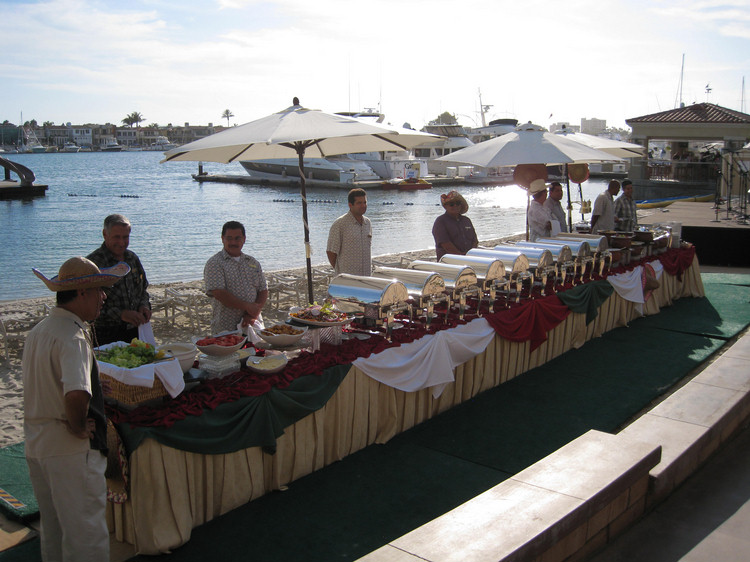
161, 144
665, 201
340, 169
112, 146
70, 147
409, 184
24, 187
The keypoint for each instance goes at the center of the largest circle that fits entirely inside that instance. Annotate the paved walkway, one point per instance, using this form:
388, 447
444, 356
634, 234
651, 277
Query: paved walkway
707, 519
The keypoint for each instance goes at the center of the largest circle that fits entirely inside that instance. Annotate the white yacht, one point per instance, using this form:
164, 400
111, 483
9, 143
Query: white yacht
161, 144
112, 146
70, 147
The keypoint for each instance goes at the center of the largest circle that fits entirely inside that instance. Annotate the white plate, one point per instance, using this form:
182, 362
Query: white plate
351, 336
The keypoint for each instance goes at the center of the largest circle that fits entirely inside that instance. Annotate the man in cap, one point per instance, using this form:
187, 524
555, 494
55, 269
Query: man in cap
235, 282
553, 205
349, 247
453, 231
539, 218
603, 214
127, 305
625, 208
64, 422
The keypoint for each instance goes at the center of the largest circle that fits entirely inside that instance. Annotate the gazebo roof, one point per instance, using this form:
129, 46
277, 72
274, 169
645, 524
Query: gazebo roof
698, 113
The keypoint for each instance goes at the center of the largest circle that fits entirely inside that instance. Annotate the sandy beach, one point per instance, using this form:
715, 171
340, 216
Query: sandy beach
11, 386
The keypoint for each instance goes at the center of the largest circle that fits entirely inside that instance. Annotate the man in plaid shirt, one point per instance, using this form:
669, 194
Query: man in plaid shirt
625, 210
127, 305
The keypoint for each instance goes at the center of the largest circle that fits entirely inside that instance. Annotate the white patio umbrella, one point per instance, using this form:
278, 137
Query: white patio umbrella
305, 132
610, 146
529, 145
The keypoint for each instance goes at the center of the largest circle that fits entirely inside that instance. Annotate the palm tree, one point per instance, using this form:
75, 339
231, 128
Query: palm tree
137, 118
128, 121
226, 115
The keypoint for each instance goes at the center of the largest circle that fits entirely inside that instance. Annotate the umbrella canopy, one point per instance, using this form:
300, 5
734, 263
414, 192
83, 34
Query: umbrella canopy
613, 147
527, 146
282, 134
298, 131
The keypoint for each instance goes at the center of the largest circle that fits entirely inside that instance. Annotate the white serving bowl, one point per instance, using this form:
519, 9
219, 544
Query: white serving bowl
282, 340
267, 365
184, 352
219, 350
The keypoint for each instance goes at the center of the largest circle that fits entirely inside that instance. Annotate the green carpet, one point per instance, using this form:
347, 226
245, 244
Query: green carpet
726, 278
723, 313
17, 499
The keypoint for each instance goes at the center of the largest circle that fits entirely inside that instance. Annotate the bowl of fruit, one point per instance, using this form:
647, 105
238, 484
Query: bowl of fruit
220, 345
282, 335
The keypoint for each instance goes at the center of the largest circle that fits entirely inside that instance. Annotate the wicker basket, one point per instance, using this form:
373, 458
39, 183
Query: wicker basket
131, 395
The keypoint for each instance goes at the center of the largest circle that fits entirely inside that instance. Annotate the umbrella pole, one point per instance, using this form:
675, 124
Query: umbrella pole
303, 193
570, 204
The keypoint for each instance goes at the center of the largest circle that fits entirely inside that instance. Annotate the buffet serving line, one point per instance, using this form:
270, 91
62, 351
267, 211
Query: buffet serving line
232, 439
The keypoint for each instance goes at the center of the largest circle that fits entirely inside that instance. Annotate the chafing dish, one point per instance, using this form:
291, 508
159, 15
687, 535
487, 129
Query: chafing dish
599, 245
562, 255
490, 273
379, 299
426, 288
460, 281
516, 266
580, 249
541, 261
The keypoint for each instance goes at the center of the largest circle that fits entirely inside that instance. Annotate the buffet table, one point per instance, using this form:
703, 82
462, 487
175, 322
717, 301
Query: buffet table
316, 420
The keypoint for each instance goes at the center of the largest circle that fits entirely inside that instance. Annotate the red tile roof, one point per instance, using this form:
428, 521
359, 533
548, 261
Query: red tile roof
698, 113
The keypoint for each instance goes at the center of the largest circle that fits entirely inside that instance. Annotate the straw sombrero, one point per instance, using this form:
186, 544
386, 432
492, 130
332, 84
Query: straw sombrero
454, 196
82, 273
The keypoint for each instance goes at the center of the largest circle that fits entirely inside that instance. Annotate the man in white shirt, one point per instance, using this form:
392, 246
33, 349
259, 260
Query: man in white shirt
539, 219
603, 215
349, 246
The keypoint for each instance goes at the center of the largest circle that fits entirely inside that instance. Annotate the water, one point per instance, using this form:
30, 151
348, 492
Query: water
177, 221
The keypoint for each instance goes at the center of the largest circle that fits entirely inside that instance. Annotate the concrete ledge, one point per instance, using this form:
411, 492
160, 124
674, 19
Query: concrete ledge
561, 505
697, 419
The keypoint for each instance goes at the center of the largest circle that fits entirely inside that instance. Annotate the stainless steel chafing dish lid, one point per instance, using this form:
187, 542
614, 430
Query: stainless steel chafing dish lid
562, 254
596, 242
455, 276
488, 269
516, 263
580, 248
538, 257
418, 283
367, 290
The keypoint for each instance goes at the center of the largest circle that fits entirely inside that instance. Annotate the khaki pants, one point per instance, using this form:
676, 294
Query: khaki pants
72, 493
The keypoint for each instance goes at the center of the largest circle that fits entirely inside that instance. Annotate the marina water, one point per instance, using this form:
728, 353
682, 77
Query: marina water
177, 221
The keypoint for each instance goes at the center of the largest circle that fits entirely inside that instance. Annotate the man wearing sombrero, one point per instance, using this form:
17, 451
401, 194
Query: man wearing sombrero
453, 232
64, 423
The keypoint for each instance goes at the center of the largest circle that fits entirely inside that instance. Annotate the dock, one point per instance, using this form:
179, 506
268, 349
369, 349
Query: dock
369, 184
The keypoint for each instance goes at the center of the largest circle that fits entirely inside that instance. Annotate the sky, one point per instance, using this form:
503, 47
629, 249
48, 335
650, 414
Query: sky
545, 61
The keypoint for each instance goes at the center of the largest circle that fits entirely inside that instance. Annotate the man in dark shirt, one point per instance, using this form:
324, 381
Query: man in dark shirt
453, 232
127, 305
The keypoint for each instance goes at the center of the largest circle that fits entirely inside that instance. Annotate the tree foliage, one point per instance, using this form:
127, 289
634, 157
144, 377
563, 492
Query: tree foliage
226, 115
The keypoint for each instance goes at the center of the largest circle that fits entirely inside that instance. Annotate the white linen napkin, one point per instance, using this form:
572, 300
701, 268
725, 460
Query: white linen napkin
146, 333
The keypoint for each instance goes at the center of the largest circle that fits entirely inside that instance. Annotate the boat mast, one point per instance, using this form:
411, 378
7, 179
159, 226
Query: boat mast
679, 87
483, 109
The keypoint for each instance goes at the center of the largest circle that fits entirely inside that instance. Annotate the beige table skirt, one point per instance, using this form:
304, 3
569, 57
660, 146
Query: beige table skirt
173, 491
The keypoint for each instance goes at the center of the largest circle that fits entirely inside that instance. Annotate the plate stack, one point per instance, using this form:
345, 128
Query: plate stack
219, 366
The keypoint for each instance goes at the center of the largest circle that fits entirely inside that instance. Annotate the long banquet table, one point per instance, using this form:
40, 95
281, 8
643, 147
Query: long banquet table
172, 490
